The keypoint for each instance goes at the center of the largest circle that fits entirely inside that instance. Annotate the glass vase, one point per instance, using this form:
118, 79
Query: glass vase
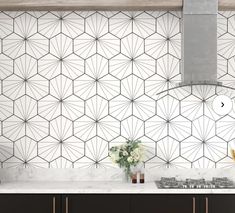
127, 175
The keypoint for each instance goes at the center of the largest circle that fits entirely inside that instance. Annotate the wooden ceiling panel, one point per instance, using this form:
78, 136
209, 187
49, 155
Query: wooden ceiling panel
102, 4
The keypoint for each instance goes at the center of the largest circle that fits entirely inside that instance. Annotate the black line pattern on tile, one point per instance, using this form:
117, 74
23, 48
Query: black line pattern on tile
73, 84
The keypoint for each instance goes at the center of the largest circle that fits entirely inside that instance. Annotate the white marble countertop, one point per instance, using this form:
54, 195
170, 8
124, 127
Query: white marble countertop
97, 187
78, 181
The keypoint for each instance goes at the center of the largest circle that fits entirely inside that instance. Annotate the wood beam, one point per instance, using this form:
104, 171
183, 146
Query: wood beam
90, 4
226, 4
102, 4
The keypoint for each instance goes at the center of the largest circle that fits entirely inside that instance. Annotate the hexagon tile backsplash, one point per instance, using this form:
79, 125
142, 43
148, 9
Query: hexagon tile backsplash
73, 84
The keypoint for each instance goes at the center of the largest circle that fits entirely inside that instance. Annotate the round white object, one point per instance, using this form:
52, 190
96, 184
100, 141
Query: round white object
222, 105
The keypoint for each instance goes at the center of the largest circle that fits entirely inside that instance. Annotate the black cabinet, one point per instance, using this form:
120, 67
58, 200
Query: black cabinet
117, 203
101, 203
18, 203
219, 203
163, 204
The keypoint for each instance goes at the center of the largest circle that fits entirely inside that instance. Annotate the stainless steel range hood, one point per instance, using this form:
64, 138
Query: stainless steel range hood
199, 42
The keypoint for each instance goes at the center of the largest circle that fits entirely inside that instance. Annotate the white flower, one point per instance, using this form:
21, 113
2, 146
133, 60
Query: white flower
136, 157
114, 156
125, 153
130, 159
138, 154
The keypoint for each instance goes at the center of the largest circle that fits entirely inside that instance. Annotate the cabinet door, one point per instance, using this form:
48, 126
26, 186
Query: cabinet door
164, 204
99, 203
218, 204
19, 203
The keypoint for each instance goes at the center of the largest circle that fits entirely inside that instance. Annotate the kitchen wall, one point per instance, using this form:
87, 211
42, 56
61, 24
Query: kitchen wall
74, 84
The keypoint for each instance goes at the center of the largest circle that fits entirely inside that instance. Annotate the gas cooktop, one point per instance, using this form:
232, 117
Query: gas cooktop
215, 183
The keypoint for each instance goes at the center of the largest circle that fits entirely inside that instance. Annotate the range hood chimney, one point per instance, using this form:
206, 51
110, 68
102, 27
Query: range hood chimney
199, 42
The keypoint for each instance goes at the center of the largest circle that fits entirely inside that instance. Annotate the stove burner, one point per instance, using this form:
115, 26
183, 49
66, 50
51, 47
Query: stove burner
215, 183
222, 182
169, 182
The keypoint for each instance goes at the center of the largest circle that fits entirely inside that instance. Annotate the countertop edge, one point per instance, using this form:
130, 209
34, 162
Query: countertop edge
41, 187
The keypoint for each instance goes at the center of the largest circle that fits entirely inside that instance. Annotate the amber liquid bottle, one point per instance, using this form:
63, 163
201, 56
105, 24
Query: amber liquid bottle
134, 178
141, 177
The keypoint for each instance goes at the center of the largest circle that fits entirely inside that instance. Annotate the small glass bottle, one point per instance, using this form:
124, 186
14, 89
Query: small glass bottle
142, 175
134, 177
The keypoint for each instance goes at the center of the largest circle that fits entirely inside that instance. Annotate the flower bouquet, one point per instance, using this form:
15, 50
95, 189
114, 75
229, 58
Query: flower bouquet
127, 155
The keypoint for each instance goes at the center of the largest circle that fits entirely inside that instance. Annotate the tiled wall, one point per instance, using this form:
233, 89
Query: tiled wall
74, 84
